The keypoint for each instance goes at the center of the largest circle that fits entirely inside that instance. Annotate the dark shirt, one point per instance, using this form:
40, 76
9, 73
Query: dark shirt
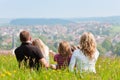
62, 62
28, 51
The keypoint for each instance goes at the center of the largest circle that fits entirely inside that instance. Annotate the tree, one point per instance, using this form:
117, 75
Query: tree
116, 49
107, 44
101, 49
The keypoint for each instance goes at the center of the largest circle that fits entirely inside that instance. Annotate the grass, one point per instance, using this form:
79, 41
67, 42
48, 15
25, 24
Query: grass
114, 30
107, 69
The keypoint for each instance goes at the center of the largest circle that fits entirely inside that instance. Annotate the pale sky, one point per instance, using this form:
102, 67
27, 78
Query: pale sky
58, 8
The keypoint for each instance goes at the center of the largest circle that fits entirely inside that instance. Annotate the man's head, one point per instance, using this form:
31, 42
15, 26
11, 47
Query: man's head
25, 36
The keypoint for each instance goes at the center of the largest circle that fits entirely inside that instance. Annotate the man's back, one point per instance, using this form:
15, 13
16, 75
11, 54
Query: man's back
30, 52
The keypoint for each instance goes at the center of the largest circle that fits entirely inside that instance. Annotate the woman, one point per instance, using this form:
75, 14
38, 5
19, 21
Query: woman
85, 58
45, 50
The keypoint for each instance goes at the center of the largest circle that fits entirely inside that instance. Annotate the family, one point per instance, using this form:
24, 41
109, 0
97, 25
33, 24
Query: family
35, 54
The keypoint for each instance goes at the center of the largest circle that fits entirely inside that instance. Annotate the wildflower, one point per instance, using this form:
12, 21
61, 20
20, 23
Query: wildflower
8, 73
2, 75
14, 71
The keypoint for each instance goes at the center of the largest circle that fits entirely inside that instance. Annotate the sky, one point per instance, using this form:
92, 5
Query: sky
58, 8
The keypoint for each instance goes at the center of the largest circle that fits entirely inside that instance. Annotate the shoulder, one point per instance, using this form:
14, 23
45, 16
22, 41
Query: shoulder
57, 55
17, 50
33, 48
97, 54
76, 52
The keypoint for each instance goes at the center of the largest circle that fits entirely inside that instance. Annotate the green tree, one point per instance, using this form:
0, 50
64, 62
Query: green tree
107, 44
116, 49
101, 49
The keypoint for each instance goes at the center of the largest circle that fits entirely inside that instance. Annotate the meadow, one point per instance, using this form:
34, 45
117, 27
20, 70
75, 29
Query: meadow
107, 69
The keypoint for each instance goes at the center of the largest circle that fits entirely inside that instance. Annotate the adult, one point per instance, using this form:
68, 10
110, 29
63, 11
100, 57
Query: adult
85, 57
29, 53
44, 48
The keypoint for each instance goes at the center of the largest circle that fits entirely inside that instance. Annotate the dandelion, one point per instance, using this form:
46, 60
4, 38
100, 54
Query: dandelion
8, 73
14, 71
2, 75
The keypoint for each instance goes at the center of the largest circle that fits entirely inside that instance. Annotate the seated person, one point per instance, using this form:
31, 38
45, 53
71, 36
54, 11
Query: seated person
85, 58
29, 53
63, 56
44, 48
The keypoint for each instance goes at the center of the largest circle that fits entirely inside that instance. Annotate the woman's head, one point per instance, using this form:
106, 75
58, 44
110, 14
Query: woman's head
64, 48
88, 44
39, 43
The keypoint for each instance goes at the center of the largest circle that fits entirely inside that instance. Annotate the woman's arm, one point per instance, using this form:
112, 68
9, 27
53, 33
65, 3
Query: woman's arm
44, 62
72, 62
52, 53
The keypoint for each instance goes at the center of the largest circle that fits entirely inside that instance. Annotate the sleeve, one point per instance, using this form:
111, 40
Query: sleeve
38, 53
55, 57
72, 62
96, 54
19, 55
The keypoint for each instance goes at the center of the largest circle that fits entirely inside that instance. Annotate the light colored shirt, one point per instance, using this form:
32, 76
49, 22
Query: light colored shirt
46, 54
82, 62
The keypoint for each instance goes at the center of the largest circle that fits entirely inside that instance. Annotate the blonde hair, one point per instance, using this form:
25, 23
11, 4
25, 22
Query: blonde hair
88, 44
64, 48
39, 43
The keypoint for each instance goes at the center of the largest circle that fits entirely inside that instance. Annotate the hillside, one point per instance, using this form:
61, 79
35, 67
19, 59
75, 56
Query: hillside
111, 19
39, 21
53, 21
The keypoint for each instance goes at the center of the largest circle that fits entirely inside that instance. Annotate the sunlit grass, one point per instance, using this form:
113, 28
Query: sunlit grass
107, 69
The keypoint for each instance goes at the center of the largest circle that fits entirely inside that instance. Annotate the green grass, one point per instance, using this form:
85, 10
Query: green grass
107, 69
114, 30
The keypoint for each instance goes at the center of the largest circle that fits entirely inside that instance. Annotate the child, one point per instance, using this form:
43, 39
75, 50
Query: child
85, 58
63, 56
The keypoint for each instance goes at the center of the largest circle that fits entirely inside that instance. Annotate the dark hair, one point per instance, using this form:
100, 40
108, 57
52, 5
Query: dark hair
24, 36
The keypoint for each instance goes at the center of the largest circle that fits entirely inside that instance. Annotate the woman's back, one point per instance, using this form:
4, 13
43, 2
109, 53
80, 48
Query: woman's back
82, 62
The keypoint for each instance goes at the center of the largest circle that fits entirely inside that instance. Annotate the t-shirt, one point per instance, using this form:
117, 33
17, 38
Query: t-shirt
28, 51
62, 61
82, 62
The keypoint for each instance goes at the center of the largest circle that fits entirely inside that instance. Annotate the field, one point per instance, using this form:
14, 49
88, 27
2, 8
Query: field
107, 69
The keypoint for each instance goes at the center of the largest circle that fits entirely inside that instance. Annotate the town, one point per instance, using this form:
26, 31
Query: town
53, 34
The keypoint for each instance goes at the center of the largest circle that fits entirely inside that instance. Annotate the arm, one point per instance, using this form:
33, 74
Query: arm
52, 53
72, 63
44, 62
41, 58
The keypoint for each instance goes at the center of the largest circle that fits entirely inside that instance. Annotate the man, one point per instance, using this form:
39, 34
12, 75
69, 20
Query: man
28, 53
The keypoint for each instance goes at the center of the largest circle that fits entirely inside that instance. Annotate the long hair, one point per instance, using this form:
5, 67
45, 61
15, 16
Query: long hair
39, 43
64, 48
88, 44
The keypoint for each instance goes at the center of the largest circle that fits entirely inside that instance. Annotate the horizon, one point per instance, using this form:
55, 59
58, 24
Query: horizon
58, 9
61, 18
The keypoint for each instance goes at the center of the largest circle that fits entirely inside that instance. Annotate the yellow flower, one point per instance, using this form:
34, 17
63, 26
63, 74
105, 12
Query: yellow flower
8, 73
14, 71
2, 75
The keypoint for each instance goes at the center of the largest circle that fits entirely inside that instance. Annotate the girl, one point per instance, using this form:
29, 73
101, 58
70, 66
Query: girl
63, 56
44, 49
85, 57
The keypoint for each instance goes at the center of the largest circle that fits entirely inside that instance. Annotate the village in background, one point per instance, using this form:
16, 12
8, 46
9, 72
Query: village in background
52, 31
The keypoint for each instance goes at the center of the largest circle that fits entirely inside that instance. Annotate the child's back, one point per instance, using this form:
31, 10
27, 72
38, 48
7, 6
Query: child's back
62, 62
